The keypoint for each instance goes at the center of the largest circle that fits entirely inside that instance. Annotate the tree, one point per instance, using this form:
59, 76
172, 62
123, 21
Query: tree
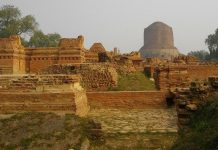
39, 39
212, 42
53, 39
12, 23
202, 54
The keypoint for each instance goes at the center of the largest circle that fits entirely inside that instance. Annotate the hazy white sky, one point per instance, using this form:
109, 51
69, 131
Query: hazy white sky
121, 23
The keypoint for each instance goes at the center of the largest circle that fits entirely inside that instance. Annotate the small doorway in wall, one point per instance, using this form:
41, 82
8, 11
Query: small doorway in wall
170, 100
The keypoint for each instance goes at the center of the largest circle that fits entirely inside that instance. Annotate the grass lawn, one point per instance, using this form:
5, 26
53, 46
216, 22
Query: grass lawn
136, 81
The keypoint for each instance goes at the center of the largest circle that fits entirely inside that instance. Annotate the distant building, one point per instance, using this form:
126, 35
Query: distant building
15, 59
159, 42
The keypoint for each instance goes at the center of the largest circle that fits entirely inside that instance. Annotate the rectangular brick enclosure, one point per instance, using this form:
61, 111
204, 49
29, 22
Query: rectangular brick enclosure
127, 99
17, 102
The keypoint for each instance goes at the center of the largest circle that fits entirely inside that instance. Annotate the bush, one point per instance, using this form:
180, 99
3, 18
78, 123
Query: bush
203, 132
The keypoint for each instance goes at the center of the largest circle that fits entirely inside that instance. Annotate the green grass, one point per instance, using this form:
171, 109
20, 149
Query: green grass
37, 130
136, 81
203, 132
26, 142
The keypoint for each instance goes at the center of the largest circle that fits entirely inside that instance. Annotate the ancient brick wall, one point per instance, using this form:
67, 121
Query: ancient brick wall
6, 64
171, 77
66, 43
42, 58
189, 100
127, 99
202, 72
36, 82
19, 66
12, 57
14, 64
16, 59
73, 101
94, 77
91, 57
18, 102
13, 42
98, 76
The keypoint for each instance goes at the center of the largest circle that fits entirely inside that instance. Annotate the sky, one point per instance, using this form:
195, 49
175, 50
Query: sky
121, 23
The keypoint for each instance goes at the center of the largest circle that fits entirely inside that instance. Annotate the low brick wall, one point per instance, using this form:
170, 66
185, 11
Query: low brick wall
18, 102
127, 99
202, 72
64, 102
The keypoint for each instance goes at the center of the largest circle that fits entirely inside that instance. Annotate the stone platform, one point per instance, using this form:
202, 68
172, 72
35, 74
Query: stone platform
136, 120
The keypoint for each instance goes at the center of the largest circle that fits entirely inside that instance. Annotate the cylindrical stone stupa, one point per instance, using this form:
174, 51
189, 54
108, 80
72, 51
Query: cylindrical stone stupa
159, 42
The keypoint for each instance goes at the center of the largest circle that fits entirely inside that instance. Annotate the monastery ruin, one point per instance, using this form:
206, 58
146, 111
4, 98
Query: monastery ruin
71, 78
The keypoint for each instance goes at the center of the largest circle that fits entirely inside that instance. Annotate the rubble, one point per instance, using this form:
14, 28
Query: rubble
33, 82
188, 101
98, 76
93, 76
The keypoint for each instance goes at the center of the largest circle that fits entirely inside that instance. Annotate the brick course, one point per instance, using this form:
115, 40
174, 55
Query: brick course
127, 99
17, 102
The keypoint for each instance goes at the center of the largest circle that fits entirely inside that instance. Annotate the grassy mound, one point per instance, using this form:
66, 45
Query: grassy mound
136, 81
203, 132
42, 131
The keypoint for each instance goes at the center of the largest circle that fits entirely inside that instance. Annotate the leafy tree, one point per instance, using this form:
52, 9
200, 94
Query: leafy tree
212, 42
24, 42
202, 54
39, 39
53, 39
12, 23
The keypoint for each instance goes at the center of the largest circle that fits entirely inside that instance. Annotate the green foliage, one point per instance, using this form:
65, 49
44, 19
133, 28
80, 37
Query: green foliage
10, 147
24, 42
136, 81
203, 132
202, 54
26, 142
212, 42
39, 39
12, 23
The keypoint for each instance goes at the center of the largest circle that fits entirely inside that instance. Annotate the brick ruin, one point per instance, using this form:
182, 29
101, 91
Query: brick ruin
180, 75
127, 99
179, 72
98, 77
49, 79
12, 56
42, 93
35, 82
191, 60
171, 77
93, 55
93, 76
15, 59
189, 100
97, 67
